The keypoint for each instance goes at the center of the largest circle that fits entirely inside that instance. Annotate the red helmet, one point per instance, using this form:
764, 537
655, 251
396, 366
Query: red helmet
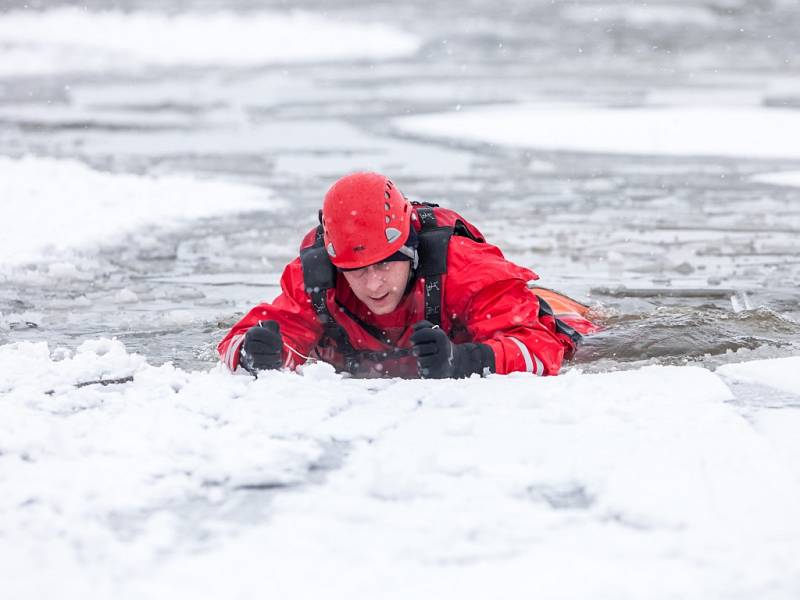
365, 219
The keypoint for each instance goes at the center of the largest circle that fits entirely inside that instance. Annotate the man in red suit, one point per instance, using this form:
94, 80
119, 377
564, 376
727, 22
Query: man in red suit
385, 287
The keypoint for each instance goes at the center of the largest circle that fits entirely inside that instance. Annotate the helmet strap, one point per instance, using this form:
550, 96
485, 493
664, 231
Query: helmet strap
412, 254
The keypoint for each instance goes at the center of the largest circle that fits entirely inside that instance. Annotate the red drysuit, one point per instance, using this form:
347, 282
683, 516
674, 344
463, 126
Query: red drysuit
485, 299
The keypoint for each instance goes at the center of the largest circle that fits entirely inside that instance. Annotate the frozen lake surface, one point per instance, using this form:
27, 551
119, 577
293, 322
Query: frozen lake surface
158, 167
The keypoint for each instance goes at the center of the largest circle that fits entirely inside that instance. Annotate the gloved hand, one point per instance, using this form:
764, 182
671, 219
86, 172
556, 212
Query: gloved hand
261, 348
439, 358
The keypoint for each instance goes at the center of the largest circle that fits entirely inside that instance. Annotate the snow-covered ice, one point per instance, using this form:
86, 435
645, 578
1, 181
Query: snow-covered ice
781, 373
49, 206
737, 131
643, 15
771, 393
784, 178
74, 39
624, 485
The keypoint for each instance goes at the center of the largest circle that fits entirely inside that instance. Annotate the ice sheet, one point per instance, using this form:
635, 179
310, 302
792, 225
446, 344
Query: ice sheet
689, 130
785, 178
780, 373
782, 428
74, 39
48, 206
623, 485
643, 15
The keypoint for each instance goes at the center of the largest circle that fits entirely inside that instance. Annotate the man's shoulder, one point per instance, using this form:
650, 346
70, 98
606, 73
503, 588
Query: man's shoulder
463, 251
474, 261
309, 238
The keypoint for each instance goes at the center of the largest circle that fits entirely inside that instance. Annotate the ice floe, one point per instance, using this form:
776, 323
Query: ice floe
626, 484
780, 373
643, 15
785, 178
739, 131
49, 206
74, 39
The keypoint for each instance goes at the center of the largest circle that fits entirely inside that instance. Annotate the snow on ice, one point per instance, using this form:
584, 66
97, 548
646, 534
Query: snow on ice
785, 178
736, 131
73, 39
643, 15
780, 373
50, 206
618, 485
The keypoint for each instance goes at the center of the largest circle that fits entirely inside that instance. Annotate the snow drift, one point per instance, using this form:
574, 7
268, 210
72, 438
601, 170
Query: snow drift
51, 206
683, 131
73, 39
784, 178
619, 485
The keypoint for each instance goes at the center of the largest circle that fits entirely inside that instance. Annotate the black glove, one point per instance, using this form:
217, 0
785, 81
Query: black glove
439, 358
261, 348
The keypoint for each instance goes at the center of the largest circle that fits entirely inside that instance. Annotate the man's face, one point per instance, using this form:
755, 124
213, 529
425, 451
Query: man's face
380, 286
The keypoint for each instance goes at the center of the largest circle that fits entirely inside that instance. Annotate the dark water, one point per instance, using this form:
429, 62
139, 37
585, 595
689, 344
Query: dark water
682, 259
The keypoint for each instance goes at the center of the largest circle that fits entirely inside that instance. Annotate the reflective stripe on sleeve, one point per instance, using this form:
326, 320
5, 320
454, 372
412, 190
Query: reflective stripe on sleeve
233, 348
530, 367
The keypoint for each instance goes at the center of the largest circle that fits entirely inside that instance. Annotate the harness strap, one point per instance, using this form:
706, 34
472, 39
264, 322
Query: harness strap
379, 355
433, 244
319, 275
561, 327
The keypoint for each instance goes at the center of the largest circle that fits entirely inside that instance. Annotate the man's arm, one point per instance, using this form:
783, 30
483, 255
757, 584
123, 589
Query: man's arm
489, 295
299, 328
505, 317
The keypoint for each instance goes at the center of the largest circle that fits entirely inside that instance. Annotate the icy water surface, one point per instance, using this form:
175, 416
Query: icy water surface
683, 259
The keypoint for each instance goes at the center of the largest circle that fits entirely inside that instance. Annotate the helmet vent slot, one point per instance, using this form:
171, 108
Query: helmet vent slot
392, 234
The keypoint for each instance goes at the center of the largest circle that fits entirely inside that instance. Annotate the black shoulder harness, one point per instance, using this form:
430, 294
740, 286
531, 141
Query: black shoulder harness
432, 249
319, 275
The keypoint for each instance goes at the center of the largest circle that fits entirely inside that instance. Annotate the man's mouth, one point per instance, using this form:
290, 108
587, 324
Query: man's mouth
380, 298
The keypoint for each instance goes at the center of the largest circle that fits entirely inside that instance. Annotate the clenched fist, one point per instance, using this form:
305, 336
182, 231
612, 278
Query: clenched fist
439, 358
261, 348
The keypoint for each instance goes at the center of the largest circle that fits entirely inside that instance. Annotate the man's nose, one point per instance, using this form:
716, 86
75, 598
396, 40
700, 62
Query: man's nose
374, 279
